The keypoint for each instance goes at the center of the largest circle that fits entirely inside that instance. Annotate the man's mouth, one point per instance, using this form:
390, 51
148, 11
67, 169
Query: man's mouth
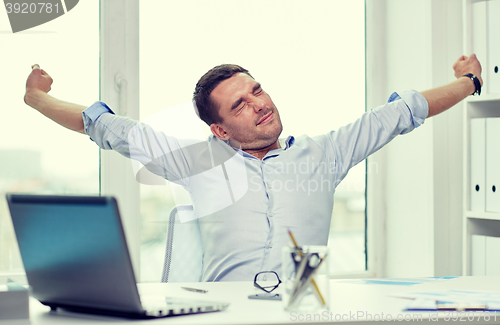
266, 118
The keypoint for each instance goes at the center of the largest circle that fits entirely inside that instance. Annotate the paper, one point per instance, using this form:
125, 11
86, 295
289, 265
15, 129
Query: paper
464, 298
420, 304
396, 281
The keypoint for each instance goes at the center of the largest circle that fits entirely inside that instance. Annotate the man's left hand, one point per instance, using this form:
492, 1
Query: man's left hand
466, 65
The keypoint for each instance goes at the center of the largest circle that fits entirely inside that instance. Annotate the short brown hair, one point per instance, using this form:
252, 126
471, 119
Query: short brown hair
204, 105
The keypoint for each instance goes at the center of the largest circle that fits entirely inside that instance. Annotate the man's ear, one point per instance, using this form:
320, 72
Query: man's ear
219, 131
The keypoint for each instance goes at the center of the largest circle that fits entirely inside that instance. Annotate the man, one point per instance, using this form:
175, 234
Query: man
247, 185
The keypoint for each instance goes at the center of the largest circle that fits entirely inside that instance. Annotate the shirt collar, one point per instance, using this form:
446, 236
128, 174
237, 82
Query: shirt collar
286, 143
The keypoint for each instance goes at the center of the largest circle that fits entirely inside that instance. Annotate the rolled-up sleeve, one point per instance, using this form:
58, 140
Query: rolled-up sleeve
92, 113
416, 104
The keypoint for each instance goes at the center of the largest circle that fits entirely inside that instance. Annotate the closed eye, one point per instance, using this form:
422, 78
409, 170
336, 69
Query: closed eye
257, 89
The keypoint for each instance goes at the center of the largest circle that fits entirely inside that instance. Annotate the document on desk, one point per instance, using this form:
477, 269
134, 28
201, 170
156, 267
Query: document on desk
453, 300
14, 303
399, 281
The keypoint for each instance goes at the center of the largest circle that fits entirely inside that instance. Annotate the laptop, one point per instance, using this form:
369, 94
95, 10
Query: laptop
76, 258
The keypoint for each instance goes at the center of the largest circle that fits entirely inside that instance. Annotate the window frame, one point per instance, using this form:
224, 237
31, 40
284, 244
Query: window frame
119, 88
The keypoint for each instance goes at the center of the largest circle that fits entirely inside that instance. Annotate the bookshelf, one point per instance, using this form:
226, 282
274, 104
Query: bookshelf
487, 105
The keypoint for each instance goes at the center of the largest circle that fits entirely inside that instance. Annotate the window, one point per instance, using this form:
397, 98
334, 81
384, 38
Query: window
309, 56
36, 155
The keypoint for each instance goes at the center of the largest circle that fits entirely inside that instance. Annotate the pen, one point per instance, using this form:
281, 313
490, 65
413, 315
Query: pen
195, 290
460, 306
312, 280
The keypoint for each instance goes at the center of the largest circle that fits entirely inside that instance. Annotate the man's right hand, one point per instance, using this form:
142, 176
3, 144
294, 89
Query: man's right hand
66, 114
38, 80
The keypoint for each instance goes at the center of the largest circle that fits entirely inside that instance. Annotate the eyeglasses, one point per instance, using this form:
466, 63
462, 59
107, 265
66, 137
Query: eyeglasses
267, 281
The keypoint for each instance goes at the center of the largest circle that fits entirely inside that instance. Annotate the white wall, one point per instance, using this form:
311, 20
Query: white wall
421, 179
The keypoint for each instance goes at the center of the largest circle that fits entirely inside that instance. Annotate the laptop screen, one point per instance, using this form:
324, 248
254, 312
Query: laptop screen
74, 251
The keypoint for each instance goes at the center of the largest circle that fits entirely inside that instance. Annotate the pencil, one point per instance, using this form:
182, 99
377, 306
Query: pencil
312, 280
195, 290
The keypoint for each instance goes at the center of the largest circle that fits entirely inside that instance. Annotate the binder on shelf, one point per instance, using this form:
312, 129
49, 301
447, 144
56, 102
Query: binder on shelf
492, 255
493, 164
480, 37
493, 66
477, 164
478, 255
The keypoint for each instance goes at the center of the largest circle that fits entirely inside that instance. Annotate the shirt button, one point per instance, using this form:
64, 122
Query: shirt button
271, 214
271, 245
268, 185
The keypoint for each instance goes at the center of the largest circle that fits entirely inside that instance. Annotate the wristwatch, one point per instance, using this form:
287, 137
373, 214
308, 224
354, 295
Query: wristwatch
476, 82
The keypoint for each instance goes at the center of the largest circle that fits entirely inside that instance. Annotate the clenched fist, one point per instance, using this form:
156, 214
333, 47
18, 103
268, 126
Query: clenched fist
466, 65
37, 80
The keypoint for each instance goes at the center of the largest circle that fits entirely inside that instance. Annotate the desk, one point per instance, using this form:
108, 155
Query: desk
346, 299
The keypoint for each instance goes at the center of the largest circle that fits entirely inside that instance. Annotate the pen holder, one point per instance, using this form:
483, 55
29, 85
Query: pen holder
306, 278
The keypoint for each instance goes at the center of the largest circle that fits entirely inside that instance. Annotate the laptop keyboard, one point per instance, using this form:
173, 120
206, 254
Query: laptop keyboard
161, 307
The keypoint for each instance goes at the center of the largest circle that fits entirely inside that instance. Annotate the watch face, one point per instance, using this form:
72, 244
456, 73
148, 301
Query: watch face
476, 82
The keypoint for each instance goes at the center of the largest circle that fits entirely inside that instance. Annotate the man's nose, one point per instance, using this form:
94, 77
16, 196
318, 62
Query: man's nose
259, 104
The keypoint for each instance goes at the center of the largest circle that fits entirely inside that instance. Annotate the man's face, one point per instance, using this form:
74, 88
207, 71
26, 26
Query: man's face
247, 111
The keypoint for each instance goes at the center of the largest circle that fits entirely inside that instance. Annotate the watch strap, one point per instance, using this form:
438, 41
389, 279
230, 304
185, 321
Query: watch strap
477, 83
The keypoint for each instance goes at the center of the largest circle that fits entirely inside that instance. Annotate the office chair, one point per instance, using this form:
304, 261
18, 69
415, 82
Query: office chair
184, 251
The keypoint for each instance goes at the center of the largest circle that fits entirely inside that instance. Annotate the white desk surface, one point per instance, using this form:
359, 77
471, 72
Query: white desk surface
346, 299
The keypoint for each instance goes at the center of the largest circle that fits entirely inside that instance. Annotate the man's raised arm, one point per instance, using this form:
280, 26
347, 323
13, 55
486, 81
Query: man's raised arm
444, 97
66, 114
